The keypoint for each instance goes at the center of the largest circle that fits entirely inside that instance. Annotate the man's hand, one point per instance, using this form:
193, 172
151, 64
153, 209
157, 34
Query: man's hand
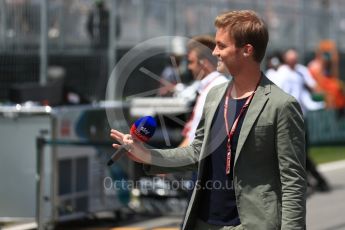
136, 150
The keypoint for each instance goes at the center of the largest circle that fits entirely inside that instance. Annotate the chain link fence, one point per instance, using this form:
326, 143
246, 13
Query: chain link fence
87, 41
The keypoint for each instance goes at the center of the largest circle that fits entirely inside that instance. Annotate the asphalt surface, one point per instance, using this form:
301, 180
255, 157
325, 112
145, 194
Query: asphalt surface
326, 211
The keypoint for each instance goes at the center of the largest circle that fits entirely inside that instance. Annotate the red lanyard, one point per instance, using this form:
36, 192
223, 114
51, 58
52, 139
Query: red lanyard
234, 125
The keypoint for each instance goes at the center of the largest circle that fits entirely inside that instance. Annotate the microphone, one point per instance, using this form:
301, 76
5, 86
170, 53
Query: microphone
142, 130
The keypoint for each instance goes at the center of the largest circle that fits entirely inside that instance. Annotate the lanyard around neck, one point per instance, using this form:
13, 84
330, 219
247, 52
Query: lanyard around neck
230, 133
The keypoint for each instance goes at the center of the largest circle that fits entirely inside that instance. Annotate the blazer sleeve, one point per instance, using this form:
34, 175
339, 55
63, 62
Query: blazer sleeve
290, 143
178, 159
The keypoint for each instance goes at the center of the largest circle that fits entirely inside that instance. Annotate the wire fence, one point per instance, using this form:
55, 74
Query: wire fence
87, 39
295, 23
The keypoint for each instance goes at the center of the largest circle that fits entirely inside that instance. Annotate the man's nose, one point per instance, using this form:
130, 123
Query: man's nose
215, 51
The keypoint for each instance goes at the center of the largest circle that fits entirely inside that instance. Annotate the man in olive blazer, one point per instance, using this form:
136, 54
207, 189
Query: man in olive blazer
269, 175
268, 172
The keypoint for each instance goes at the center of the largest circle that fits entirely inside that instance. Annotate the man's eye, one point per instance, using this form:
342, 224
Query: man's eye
221, 46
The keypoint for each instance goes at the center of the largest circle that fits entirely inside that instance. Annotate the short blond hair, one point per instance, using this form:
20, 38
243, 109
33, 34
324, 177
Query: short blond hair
245, 27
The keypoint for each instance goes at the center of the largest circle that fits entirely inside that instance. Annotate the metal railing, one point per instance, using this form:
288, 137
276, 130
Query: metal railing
41, 198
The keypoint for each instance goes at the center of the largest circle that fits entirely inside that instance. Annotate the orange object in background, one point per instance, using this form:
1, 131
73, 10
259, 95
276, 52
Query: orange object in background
325, 70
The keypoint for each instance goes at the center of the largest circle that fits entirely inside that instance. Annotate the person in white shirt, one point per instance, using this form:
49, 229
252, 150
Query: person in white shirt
203, 66
274, 61
296, 80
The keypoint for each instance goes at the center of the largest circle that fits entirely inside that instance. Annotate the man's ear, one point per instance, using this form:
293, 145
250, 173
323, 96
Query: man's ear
248, 50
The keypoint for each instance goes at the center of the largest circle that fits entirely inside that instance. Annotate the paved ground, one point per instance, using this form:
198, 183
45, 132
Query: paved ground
326, 211
161, 223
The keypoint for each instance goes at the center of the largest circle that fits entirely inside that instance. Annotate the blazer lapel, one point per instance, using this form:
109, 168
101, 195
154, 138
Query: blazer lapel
212, 106
210, 109
259, 100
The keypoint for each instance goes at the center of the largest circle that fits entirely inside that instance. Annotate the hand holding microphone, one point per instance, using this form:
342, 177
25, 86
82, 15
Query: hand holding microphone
141, 131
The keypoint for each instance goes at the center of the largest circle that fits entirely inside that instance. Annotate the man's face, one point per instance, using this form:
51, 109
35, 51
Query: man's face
291, 58
228, 55
194, 65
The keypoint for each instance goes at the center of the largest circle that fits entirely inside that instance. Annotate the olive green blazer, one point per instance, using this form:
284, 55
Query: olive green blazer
269, 169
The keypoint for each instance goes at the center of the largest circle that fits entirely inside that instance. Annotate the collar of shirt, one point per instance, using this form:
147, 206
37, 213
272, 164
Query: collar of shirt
207, 80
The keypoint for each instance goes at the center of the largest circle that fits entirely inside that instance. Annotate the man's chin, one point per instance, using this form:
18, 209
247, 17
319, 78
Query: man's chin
222, 69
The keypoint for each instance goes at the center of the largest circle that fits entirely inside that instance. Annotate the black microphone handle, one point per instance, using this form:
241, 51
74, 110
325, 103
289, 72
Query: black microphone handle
117, 155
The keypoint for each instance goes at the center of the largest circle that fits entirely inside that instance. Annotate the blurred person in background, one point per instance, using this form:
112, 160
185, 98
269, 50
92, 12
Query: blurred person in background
98, 22
22, 18
273, 62
322, 70
295, 79
260, 164
170, 76
203, 66
98, 28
